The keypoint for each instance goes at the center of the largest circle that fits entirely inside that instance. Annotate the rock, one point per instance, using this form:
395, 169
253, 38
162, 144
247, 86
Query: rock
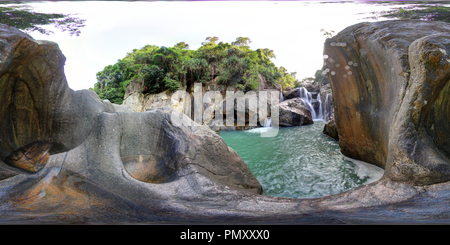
135, 101
326, 96
36, 103
331, 130
184, 102
139, 102
65, 138
310, 85
158, 159
290, 94
390, 97
264, 85
294, 113
115, 107
251, 114
296, 93
214, 125
179, 100
134, 87
316, 104
31, 157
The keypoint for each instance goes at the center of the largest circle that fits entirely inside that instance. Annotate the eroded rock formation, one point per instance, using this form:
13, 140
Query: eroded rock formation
390, 87
294, 113
50, 133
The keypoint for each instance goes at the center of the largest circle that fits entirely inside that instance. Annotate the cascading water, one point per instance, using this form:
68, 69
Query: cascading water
320, 114
307, 99
268, 122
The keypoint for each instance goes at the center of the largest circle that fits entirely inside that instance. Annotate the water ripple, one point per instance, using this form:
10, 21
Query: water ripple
300, 162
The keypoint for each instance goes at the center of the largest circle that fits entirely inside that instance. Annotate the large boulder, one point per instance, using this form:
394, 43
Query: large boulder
290, 94
330, 129
390, 82
294, 113
248, 109
310, 85
35, 102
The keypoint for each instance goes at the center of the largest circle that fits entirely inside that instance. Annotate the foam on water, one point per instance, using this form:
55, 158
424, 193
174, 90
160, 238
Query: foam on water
259, 130
364, 169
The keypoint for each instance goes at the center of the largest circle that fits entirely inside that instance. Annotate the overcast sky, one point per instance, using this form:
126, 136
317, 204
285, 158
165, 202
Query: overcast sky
291, 29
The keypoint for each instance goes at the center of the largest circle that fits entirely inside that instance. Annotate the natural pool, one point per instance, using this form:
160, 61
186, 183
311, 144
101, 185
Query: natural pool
300, 162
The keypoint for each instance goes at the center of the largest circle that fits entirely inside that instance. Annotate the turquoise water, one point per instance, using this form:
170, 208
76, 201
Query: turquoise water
300, 162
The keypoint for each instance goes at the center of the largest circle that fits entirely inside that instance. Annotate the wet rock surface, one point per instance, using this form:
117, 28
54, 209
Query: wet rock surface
111, 165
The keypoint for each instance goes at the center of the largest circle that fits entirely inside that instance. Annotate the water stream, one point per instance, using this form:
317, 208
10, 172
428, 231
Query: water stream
300, 162
306, 97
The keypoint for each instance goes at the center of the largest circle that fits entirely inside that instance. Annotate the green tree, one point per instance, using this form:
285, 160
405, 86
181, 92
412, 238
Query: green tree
197, 68
210, 41
266, 54
321, 77
182, 45
109, 85
241, 41
153, 79
162, 68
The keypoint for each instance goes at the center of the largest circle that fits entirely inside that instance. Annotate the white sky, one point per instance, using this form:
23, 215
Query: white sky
291, 29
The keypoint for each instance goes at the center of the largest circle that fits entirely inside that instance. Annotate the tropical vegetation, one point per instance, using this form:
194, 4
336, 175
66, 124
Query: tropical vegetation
178, 67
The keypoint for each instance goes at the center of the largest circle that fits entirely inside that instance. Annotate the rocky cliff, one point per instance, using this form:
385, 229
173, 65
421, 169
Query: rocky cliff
390, 87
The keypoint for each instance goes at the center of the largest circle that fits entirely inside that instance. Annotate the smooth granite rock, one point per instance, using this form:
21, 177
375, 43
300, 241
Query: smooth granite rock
390, 82
294, 113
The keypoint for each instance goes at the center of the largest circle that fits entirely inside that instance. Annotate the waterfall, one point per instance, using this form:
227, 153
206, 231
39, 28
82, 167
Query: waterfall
320, 114
306, 97
303, 93
281, 97
268, 122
